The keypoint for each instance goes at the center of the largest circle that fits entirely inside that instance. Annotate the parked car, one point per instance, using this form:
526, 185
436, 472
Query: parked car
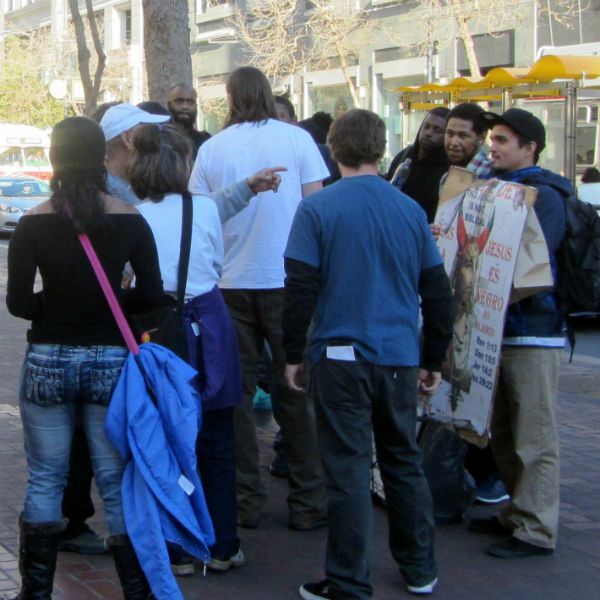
17, 196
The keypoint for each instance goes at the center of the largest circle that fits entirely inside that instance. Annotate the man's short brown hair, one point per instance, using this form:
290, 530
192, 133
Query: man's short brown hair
357, 137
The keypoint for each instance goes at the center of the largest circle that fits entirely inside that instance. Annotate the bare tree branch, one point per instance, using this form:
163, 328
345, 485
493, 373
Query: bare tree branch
274, 35
99, 51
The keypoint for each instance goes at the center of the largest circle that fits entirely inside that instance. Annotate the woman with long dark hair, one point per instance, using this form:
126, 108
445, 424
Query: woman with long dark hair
75, 351
159, 171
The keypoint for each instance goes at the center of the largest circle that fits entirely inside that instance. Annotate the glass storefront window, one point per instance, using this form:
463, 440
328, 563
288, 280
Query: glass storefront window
332, 99
393, 116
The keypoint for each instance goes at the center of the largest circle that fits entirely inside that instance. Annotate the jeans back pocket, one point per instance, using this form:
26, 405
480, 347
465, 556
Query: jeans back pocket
99, 382
44, 386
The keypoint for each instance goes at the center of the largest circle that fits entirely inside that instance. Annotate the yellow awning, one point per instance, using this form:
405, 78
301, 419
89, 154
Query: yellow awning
549, 68
546, 69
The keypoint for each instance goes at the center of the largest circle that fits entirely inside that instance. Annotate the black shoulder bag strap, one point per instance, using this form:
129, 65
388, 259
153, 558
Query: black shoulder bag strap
187, 214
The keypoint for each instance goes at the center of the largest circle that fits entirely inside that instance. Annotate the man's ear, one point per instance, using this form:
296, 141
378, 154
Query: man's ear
533, 146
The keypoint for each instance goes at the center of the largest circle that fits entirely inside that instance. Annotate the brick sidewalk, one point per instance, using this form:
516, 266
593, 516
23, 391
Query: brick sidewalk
279, 560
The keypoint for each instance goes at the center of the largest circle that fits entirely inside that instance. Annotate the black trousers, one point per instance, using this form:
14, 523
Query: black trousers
355, 400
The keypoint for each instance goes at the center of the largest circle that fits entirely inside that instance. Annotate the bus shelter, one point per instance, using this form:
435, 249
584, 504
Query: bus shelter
552, 77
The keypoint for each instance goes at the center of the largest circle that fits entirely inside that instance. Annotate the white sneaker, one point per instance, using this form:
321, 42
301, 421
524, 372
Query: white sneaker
224, 564
422, 589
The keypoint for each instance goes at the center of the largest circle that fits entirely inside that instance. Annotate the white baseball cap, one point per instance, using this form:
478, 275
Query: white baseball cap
122, 117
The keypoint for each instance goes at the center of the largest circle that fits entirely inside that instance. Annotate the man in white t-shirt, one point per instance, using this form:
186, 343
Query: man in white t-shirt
252, 283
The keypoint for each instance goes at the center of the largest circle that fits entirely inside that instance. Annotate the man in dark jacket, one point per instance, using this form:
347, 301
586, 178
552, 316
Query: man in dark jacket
524, 436
359, 256
183, 105
423, 163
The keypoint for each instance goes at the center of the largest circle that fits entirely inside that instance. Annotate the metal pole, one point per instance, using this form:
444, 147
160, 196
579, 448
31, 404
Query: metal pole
405, 119
570, 130
507, 99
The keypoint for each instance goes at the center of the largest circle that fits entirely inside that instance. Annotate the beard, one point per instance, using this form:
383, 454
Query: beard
187, 120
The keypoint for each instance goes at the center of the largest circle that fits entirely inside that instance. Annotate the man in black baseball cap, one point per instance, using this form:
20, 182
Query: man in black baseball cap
527, 126
523, 430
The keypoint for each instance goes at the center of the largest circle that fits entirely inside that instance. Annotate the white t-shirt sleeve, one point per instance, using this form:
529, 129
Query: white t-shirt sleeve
312, 165
198, 184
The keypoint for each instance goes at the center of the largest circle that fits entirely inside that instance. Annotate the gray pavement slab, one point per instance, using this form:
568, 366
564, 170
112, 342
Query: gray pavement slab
279, 560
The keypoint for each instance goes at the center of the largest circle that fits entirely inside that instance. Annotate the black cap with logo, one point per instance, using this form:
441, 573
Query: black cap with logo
521, 121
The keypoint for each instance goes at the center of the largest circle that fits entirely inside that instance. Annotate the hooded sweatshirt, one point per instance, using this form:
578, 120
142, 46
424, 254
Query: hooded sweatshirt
536, 320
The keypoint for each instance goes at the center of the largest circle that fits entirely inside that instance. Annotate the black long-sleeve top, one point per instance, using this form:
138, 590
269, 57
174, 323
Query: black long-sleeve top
302, 289
71, 308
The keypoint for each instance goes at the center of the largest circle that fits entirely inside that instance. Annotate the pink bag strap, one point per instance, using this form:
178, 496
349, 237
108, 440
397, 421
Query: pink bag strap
109, 293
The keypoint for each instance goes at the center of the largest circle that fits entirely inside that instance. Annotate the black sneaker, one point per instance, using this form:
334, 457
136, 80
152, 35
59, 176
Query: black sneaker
515, 548
315, 591
86, 542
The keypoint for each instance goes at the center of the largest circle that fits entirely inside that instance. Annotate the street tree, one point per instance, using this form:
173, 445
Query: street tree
166, 46
273, 34
338, 31
281, 37
91, 84
24, 97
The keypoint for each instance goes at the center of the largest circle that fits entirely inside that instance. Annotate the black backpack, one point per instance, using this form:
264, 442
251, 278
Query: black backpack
578, 259
578, 263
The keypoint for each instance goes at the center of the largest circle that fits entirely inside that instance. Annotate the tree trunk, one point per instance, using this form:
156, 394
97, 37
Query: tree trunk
91, 87
344, 66
166, 46
467, 38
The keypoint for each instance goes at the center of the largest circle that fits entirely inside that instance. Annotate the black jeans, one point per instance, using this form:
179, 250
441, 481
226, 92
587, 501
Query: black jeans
355, 400
215, 449
257, 316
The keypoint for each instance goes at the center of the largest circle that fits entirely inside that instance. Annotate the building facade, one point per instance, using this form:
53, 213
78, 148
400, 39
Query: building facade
403, 42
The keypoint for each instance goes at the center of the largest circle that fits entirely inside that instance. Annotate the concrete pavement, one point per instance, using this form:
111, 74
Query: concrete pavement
279, 560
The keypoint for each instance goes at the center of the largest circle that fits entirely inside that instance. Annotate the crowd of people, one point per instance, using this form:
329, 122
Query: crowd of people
303, 248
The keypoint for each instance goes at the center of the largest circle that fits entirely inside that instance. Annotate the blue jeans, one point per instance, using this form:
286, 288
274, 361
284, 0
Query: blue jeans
57, 383
355, 400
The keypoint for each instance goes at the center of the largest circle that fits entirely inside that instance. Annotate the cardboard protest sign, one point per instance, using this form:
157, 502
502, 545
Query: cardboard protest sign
480, 240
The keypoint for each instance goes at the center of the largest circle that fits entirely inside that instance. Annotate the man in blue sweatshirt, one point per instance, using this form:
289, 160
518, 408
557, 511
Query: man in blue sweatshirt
524, 436
360, 260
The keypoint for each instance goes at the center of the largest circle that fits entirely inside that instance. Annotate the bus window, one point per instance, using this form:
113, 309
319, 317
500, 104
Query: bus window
11, 157
35, 157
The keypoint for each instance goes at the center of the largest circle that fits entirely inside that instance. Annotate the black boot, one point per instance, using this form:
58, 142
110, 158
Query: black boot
37, 558
133, 581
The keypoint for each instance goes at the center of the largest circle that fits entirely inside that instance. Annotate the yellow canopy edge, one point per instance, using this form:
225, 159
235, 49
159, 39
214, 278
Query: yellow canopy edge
546, 69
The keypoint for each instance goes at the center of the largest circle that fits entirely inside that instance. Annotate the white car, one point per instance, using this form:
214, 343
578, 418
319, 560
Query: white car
17, 196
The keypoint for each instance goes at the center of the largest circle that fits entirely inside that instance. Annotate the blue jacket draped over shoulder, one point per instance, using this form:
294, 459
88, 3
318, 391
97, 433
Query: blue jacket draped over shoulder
162, 495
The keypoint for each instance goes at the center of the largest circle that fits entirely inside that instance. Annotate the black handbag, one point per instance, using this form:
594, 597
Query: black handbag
164, 325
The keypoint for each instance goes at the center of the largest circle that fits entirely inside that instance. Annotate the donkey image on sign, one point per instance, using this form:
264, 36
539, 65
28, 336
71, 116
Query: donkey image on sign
463, 280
